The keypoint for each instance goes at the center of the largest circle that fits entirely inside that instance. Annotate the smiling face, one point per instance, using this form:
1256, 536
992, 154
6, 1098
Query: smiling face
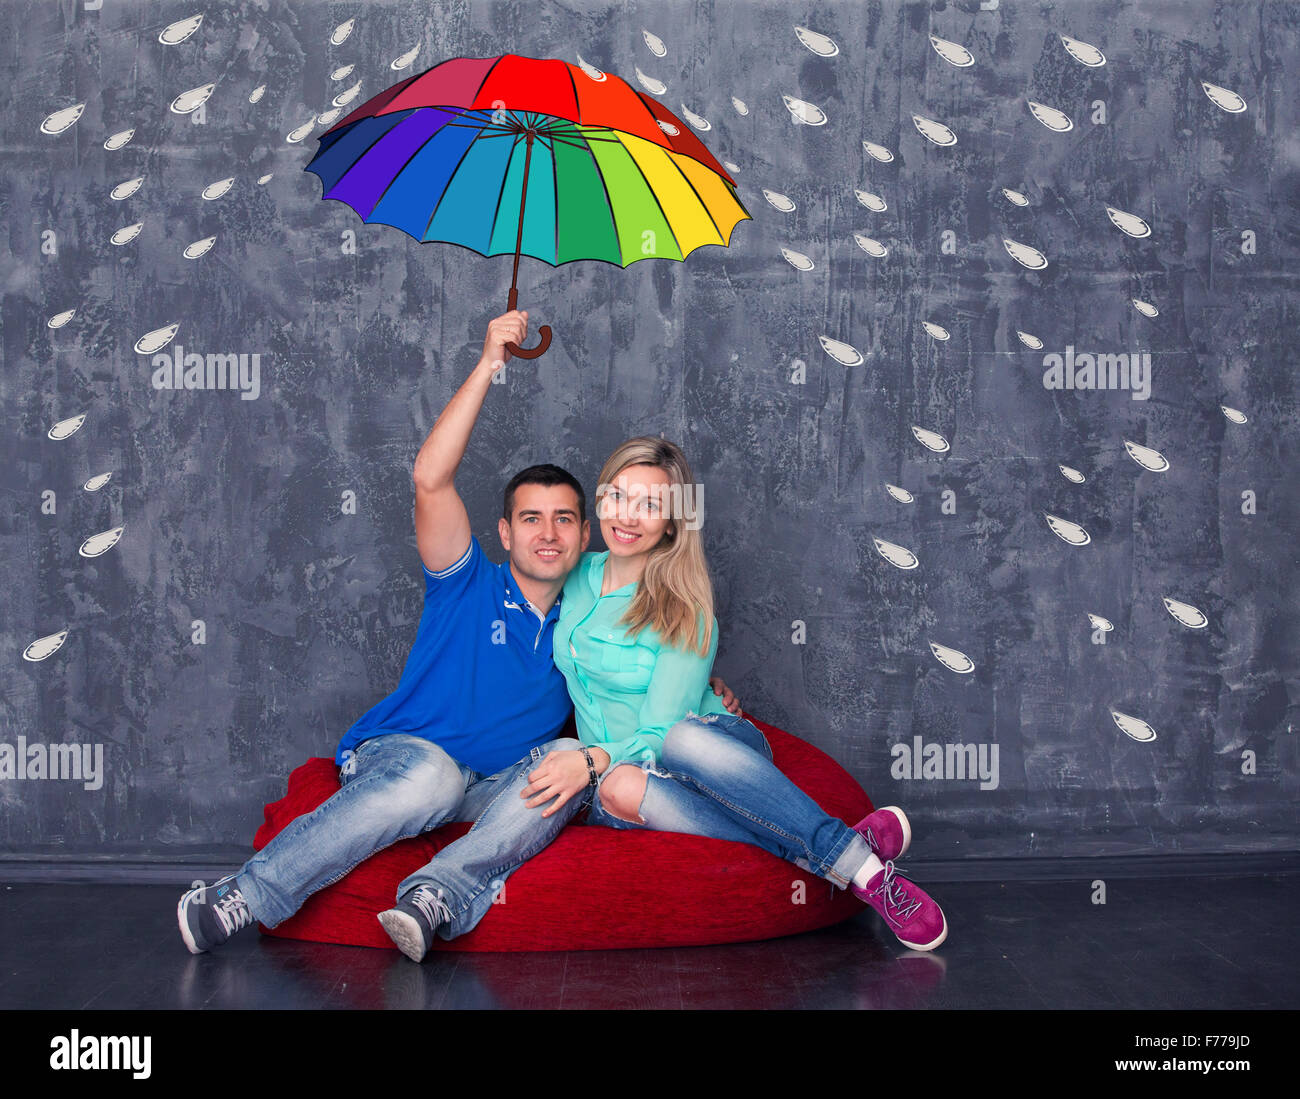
544, 537
633, 511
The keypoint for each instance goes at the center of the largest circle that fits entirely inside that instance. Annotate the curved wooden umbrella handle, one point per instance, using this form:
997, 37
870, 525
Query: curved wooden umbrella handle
532, 352
544, 332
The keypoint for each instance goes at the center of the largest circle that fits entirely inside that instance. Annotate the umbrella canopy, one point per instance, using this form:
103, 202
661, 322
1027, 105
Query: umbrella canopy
533, 157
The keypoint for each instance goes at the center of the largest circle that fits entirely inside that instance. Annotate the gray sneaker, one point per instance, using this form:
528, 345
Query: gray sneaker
209, 914
412, 922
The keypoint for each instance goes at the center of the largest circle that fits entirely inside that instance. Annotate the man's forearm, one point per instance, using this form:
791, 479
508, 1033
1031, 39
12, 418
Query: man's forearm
436, 463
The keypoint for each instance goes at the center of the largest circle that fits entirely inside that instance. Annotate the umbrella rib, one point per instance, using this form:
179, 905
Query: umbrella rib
671, 232
496, 212
445, 189
698, 198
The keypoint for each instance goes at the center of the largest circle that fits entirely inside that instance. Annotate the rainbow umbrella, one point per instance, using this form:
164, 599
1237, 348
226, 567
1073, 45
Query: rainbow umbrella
536, 157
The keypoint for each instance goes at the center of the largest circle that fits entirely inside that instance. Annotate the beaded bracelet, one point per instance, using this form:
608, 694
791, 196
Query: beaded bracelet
591, 767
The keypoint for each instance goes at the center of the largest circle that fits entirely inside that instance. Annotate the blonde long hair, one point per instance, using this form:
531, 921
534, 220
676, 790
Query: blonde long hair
675, 590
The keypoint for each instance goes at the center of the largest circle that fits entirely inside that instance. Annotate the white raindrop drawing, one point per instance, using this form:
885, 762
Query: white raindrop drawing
329, 116
1146, 457
936, 330
119, 139
871, 202
192, 100
199, 248
650, 84
1145, 308
797, 260
878, 152
1067, 531
934, 131
952, 659
1131, 224
871, 247
340, 33
126, 234
1029, 341
698, 121
1223, 98
1051, 117
127, 189
1135, 727
1071, 474
732, 168
342, 73
67, 427
1233, 414
60, 319
1082, 52
1024, 254
931, 440
347, 96
898, 556
157, 339
256, 94
294, 136
61, 120
97, 482
781, 202
1185, 613
952, 52
1099, 623
654, 43
45, 646
175, 33
596, 74
808, 113
820, 44
1015, 197
899, 494
265, 179
843, 353
668, 128
216, 190
741, 107
101, 543
402, 62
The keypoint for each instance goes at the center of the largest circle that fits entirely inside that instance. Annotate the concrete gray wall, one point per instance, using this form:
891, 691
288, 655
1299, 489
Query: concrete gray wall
232, 508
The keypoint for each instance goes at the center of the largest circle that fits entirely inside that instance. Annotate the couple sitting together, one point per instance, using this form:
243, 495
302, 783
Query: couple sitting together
473, 730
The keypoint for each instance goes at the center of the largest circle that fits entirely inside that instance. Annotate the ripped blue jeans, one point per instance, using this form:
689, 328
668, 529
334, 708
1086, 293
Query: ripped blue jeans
394, 786
715, 777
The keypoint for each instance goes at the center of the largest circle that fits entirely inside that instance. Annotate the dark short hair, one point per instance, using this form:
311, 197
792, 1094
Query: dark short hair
545, 475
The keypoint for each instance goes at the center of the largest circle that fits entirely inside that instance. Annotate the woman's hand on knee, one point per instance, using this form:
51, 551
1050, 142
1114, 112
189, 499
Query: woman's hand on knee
559, 776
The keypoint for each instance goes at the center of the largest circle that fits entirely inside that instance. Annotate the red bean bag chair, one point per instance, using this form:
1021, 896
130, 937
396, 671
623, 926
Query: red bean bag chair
596, 888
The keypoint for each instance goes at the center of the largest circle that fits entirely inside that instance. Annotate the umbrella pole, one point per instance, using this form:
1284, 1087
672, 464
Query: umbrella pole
545, 331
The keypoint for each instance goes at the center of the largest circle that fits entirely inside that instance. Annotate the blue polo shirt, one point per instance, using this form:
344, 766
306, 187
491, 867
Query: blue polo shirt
480, 680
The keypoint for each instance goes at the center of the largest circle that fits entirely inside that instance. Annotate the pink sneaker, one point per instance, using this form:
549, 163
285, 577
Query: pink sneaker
909, 910
886, 831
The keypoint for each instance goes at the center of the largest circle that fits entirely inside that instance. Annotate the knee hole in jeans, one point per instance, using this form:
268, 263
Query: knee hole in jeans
622, 791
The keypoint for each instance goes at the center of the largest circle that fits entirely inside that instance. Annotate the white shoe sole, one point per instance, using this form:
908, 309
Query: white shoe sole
907, 830
405, 932
922, 947
193, 947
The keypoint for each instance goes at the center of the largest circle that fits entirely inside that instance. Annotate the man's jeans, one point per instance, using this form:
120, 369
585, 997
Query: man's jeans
716, 778
394, 786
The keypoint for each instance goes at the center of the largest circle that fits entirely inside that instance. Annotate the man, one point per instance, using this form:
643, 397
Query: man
472, 731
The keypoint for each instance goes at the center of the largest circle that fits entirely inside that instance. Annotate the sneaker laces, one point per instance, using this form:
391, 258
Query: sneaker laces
232, 912
896, 897
431, 906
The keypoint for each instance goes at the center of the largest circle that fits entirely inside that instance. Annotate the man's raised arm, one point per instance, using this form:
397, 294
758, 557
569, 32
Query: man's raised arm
441, 523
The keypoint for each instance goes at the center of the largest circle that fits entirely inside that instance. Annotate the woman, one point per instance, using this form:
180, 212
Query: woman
635, 640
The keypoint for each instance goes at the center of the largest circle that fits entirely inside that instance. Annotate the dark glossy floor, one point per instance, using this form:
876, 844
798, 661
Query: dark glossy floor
1203, 942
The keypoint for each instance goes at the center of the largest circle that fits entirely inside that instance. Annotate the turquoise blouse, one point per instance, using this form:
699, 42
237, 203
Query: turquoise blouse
627, 691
